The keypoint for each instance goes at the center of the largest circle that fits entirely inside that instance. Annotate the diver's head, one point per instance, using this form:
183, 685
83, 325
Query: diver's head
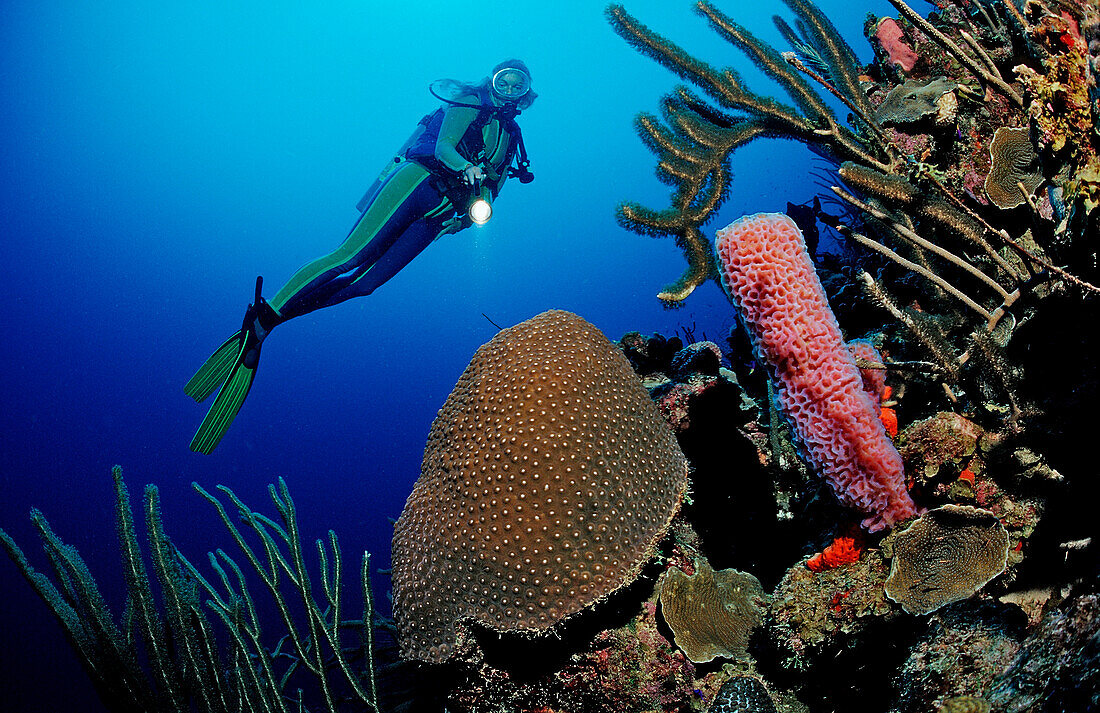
511, 82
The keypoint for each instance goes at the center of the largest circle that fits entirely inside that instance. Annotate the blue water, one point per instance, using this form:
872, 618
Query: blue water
156, 157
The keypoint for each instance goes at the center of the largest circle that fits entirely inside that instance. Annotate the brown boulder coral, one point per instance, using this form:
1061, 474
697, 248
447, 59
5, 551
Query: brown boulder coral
547, 479
711, 614
945, 556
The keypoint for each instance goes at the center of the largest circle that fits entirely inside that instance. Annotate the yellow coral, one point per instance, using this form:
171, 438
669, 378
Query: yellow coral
1059, 100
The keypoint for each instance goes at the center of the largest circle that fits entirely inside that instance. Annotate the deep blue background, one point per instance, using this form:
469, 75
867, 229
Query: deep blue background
156, 157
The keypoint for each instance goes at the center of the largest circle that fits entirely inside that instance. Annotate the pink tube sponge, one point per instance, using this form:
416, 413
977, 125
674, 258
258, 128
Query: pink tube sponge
892, 41
874, 380
767, 272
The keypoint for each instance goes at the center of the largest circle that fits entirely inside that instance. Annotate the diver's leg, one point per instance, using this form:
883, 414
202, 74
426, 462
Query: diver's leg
405, 197
411, 243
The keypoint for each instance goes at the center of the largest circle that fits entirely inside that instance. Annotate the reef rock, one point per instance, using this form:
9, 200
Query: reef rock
1058, 668
816, 614
965, 646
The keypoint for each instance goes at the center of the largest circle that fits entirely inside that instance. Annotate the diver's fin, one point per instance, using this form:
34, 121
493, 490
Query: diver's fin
215, 371
230, 398
235, 361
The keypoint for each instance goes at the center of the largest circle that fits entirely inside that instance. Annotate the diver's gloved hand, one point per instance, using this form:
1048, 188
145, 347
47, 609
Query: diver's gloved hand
471, 174
454, 224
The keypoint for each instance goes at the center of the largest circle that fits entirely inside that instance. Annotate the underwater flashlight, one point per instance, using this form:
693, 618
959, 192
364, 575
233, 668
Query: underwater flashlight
480, 209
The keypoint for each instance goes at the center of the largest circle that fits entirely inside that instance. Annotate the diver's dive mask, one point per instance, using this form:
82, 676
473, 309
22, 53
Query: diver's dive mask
511, 84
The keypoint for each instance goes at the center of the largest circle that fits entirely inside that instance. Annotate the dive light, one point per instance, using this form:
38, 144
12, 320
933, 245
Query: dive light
480, 209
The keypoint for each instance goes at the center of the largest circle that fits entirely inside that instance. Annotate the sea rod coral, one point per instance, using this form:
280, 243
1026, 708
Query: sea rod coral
768, 274
257, 664
914, 193
694, 149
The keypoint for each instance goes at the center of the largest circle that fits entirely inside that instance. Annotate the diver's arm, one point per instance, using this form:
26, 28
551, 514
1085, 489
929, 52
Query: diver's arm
456, 120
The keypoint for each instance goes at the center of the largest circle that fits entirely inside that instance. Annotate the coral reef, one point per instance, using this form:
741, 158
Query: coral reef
915, 157
547, 479
928, 445
632, 667
768, 274
966, 185
186, 667
946, 555
1058, 667
961, 175
814, 614
711, 614
965, 646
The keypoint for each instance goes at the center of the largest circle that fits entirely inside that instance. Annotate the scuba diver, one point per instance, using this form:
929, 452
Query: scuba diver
442, 180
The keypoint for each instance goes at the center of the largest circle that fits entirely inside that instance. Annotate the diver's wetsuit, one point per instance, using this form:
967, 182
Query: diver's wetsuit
411, 204
405, 211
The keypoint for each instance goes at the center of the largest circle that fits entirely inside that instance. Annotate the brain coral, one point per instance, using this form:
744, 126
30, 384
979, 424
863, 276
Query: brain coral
768, 274
547, 479
946, 555
711, 613
742, 694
